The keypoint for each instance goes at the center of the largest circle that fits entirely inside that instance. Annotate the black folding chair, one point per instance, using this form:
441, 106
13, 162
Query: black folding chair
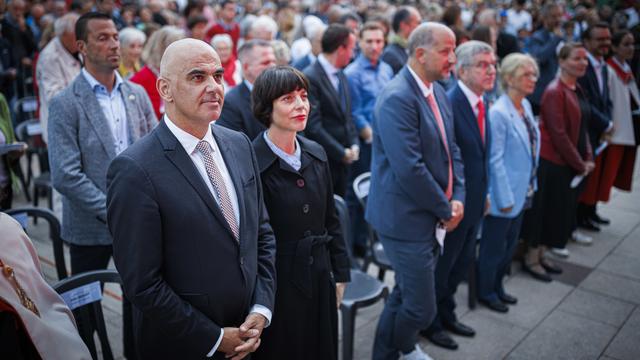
54, 234
29, 132
375, 252
91, 313
363, 290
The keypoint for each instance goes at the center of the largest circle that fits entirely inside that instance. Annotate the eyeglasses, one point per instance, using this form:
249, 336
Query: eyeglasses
485, 66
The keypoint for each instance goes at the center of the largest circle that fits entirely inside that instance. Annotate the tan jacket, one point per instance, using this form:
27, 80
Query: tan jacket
54, 333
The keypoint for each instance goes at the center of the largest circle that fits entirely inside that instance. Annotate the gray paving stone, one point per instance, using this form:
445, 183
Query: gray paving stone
535, 300
592, 255
597, 307
626, 344
631, 244
494, 339
622, 221
621, 264
565, 336
614, 286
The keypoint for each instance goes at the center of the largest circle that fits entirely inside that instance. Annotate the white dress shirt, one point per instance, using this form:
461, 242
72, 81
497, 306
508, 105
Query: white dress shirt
189, 143
597, 67
426, 90
112, 105
471, 97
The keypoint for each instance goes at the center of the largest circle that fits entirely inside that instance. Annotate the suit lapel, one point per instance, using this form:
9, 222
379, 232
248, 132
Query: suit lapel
469, 115
426, 109
94, 115
328, 87
230, 158
176, 154
518, 124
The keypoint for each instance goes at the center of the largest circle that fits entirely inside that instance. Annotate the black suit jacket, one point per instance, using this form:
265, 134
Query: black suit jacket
600, 104
182, 269
237, 113
329, 125
396, 56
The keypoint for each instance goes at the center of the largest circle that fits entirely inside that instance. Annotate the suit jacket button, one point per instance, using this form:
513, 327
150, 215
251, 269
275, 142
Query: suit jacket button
300, 183
305, 208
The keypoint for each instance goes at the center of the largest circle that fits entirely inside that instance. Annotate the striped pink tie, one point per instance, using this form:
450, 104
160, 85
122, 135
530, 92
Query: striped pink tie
436, 112
218, 185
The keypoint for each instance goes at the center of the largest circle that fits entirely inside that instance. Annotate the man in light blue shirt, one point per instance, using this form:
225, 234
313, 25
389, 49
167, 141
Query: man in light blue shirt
367, 75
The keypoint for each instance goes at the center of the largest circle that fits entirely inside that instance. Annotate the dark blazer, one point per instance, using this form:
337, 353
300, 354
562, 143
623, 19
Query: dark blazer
542, 47
475, 153
506, 44
182, 269
302, 63
600, 103
237, 113
560, 119
396, 56
329, 125
410, 166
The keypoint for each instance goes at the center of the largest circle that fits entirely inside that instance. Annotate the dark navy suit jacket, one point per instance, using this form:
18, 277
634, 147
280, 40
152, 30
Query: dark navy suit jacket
600, 104
410, 166
182, 269
475, 154
237, 113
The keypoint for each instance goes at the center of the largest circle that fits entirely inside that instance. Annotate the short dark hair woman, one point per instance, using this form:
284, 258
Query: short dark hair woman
312, 265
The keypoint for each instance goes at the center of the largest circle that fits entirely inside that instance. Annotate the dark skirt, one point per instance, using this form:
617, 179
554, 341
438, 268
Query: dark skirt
551, 218
302, 327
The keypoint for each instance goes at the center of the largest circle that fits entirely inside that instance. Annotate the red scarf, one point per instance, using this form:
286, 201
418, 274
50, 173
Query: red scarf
229, 70
625, 76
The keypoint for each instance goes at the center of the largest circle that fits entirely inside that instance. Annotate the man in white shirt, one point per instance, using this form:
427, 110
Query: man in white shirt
518, 18
191, 236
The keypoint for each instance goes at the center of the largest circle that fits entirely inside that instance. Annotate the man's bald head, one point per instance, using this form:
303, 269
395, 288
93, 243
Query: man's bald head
179, 52
427, 34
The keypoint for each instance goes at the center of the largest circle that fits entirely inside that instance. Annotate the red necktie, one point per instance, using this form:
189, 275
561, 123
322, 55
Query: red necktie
436, 112
481, 119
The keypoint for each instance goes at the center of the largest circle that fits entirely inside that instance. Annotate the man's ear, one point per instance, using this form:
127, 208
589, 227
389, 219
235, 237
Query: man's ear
164, 90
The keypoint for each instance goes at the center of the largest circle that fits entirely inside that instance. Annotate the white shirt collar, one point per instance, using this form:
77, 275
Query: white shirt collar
188, 141
426, 90
594, 62
248, 85
93, 82
327, 66
471, 96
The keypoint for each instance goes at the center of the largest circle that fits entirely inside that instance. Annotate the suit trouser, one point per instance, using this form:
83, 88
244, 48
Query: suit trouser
340, 177
453, 267
87, 258
411, 306
499, 240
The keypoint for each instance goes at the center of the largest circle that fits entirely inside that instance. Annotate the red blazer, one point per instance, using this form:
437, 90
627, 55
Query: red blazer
147, 79
560, 119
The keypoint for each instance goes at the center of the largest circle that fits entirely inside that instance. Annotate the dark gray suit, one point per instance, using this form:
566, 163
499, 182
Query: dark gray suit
183, 270
237, 113
330, 124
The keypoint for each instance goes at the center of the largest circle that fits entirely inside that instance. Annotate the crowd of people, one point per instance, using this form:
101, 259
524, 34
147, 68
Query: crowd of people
200, 144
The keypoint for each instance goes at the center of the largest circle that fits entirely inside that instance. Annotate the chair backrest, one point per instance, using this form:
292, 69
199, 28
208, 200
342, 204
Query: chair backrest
89, 313
361, 187
25, 108
54, 234
343, 215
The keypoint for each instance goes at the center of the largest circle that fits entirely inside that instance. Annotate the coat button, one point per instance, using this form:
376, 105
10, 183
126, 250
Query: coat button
305, 208
300, 183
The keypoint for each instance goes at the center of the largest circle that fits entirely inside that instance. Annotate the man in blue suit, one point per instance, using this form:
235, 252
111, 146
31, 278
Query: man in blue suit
417, 186
476, 70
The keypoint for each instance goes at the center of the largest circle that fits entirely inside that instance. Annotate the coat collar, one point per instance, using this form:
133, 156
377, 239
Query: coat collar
266, 157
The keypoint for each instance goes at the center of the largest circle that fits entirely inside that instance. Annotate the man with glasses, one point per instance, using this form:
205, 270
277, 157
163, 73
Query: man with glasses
476, 73
597, 41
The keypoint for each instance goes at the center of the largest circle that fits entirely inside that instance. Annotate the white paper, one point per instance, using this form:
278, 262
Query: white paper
578, 178
441, 232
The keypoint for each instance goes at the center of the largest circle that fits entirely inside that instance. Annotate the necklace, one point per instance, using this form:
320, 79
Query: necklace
10, 274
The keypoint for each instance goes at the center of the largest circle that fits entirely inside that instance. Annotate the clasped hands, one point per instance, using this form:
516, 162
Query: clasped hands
239, 342
457, 213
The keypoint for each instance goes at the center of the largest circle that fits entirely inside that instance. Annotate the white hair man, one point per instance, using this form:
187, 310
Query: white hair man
57, 65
